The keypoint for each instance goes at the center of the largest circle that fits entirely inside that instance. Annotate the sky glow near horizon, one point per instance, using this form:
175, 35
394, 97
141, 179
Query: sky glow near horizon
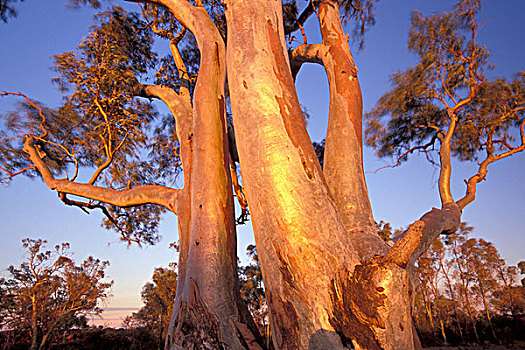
401, 195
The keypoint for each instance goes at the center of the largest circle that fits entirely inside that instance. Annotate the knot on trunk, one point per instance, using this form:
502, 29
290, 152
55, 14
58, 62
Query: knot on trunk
195, 327
356, 300
371, 306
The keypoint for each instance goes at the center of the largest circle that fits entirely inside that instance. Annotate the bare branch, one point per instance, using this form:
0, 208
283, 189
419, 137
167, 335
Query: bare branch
435, 222
444, 156
421, 148
11, 175
473, 181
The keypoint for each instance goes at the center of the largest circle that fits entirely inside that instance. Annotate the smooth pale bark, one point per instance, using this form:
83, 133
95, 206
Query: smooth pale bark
301, 241
181, 109
209, 312
343, 160
343, 157
316, 282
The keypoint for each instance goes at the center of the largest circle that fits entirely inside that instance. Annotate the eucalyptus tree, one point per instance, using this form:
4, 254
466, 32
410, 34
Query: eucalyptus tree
102, 133
158, 297
49, 292
330, 279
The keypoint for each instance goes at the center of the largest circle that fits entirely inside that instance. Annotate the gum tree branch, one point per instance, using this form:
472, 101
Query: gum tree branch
444, 156
147, 194
473, 181
416, 240
305, 53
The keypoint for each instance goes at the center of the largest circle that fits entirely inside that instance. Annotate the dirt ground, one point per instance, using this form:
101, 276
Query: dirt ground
514, 346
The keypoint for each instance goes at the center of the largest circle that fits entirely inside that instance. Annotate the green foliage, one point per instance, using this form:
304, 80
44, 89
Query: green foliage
49, 294
104, 119
448, 82
252, 290
101, 128
159, 299
384, 230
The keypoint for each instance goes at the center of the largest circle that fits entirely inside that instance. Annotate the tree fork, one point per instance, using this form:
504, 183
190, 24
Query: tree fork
343, 157
300, 237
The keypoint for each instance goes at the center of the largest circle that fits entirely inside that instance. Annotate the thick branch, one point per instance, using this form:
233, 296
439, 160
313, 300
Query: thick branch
343, 157
147, 194
436, 222
404, 248
446, 166
305, 53
181, 109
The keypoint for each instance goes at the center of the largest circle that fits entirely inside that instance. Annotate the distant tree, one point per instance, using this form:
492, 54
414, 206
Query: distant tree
49, 294
429, 275
252, 291
158, 298
465, 287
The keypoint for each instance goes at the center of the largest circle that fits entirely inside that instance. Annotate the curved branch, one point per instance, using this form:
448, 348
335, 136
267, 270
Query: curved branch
446, 167
419, 237
305, 53
311, 53
44, 130
147, 194
473, 181
181, 109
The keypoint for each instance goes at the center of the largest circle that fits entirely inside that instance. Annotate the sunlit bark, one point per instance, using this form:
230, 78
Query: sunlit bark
297, 225
147, 194
209, 310
343, 159
300, 238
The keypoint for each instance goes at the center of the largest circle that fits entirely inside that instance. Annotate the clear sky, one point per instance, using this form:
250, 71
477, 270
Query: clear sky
400, 195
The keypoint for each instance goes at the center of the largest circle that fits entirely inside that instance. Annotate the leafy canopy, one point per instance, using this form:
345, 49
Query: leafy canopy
52, 286
448, 83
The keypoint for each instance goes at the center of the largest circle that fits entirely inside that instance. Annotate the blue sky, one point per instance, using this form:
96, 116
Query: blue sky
400, 195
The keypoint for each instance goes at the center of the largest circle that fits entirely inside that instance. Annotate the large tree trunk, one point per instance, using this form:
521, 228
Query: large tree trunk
343, 158
300, 237
208, 312
322, 291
